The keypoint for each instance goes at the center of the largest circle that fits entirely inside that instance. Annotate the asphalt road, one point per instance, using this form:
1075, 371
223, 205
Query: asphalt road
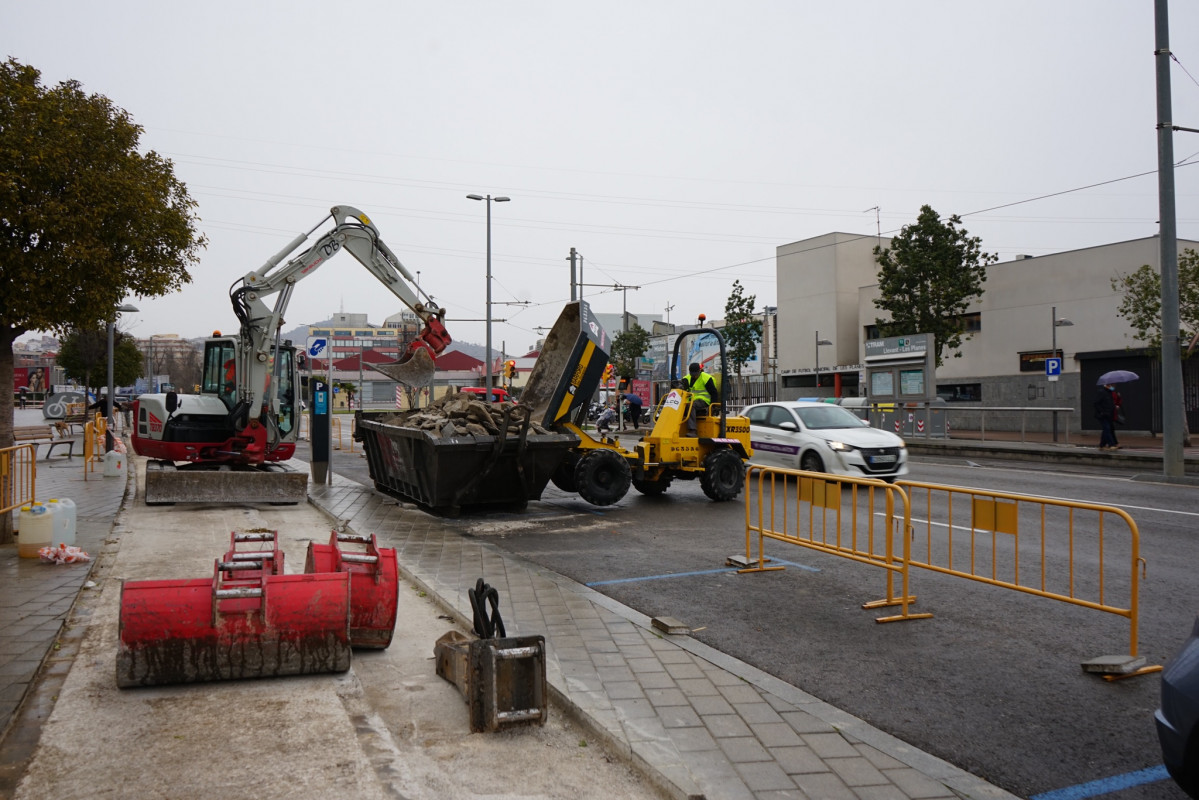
992, 683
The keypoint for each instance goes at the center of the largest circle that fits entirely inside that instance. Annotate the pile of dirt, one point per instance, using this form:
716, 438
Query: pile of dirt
460, 414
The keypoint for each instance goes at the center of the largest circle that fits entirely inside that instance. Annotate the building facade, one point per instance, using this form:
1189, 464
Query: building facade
826, 292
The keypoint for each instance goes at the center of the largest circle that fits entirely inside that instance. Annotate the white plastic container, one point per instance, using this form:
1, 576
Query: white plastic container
114, 464
64, 520
37, 529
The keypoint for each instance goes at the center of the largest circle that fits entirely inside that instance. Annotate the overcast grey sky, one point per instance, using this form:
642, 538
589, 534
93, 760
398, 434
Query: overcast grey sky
675, 144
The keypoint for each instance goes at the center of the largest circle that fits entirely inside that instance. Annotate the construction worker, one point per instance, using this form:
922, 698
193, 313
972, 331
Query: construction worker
702, 387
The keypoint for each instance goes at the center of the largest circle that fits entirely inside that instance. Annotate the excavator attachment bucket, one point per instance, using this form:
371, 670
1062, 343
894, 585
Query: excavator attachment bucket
186, 631
415, 369
374, 584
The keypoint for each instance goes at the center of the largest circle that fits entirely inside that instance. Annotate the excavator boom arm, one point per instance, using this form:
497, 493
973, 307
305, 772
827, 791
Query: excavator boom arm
261, 324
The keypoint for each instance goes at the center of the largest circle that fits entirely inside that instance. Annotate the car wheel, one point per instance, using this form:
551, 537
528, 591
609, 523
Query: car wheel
724, 473
811, 462
1187, 777
603, 477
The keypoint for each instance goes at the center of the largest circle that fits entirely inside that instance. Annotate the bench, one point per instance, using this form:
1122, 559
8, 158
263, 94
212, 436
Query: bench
42, 433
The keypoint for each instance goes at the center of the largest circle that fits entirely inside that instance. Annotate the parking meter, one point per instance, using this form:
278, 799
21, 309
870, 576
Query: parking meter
319, 434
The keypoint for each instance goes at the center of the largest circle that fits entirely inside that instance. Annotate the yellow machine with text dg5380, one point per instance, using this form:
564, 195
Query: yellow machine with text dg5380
559, 390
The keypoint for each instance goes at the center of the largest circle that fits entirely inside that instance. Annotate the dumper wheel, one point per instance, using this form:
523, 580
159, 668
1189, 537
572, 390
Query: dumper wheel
564, 476
602, 477
652, 488
724, 472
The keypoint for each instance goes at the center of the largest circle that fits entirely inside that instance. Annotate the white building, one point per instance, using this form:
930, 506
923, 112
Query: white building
826, 290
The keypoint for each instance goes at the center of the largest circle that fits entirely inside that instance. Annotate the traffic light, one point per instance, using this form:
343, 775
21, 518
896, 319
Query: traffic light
607, 373
509, 369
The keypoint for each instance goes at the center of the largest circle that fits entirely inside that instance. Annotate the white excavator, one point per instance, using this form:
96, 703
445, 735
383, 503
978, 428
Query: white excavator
226, 443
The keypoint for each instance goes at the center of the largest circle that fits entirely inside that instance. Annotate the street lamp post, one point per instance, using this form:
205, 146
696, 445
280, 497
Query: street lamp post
124, 308
1057, 323
487, 354
819, 343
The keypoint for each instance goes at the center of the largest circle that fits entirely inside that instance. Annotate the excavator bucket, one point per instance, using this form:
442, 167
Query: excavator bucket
374, 584
186, 631
415, 369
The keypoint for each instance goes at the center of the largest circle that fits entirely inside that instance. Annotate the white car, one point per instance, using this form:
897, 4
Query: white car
821, 437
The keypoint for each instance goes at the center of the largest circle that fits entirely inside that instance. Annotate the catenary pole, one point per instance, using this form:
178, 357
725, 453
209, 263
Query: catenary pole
1172, 413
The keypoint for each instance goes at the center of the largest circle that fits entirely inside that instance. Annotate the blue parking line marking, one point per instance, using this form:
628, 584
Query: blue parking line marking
1106, 785
660, 577
694, 574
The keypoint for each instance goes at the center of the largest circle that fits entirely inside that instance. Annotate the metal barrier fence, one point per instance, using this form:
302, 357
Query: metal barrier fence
840, 516
1085, 554
18, 476
334, 432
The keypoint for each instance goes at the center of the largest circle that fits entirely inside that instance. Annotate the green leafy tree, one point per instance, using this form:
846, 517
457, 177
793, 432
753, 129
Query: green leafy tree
86, 218
83, 356
350, 390
928, 278
742, 330
1141, 304
627, 347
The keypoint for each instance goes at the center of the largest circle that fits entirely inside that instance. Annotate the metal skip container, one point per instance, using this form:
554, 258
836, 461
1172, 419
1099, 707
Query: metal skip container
187, 631
450, 473
374, 584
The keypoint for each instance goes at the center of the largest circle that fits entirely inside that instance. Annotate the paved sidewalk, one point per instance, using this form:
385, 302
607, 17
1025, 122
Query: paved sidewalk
697, 721
707, 725
37, 597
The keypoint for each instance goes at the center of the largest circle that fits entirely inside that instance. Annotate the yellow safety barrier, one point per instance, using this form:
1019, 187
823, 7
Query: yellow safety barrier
1080, 553
838, 516
1085, 554
18, 476
334, 430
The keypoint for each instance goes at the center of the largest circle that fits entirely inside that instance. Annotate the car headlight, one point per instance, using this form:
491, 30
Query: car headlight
841, 447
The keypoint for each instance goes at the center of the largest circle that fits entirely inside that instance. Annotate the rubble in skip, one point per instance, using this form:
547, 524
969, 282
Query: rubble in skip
460, 414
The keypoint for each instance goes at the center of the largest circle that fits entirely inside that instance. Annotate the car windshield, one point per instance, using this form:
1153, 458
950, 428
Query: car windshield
827, 417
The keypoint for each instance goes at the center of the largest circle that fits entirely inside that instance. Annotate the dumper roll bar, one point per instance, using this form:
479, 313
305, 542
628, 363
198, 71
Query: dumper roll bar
677, 367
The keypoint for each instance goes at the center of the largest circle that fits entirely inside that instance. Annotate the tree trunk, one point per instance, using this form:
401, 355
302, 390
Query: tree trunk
6, 419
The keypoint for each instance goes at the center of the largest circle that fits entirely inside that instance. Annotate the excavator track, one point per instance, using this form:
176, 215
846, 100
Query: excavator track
198, 483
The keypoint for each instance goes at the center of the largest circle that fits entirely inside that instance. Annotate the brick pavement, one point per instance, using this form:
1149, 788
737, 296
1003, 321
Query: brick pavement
37, 597
701, 723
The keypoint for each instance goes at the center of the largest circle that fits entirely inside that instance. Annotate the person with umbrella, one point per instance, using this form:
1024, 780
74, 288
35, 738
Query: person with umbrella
1108, 406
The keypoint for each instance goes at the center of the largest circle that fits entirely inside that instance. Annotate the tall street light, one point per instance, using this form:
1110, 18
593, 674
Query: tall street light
487, 355
819, 343
1057, 323
124, 308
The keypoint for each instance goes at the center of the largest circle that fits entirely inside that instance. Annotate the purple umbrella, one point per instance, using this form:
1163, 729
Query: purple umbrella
1117, 376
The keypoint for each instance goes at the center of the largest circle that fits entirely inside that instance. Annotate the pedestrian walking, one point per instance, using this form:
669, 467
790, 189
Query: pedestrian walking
24, 392
1105, 412
632, 406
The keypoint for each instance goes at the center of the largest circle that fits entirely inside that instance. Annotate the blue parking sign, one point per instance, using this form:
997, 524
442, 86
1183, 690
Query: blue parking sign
1053, 368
